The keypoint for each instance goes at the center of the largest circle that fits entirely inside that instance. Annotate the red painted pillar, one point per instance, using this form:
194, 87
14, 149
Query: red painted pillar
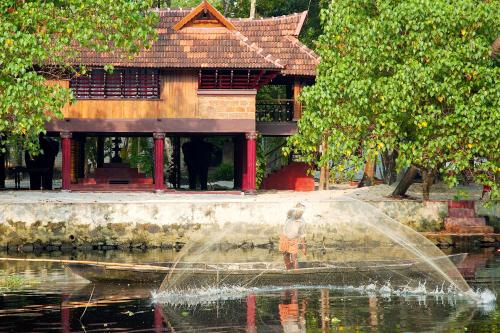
251, 311
250, 170
66, 160
159, 139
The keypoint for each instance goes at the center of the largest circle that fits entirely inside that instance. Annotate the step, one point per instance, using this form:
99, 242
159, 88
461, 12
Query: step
461, 212
112, 187
471, 229
461, 204
465, 221
467, 272
98, 181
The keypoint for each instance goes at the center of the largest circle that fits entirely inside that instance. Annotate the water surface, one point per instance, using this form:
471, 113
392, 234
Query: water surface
54, 299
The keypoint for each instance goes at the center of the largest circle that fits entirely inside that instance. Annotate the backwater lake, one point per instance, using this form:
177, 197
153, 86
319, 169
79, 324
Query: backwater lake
53, 299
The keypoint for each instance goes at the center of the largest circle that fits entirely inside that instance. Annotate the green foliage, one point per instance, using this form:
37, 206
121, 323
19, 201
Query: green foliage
270, 92
36, 34
260, 162
140, 154
225, 171
189, 3
415, 76
461, 195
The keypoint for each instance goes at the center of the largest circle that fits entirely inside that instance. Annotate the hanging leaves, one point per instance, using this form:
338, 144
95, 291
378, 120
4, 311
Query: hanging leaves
412, 76
35, 34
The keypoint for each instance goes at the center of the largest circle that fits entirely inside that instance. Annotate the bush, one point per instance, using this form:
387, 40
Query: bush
225, 171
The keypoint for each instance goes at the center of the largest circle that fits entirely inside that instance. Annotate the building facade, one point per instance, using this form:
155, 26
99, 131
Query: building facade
199, 78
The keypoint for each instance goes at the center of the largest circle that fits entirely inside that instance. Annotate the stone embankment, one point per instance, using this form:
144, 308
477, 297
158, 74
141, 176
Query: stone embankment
82, 221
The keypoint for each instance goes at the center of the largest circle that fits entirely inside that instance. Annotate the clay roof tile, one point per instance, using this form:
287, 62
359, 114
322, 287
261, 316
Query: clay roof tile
266, 43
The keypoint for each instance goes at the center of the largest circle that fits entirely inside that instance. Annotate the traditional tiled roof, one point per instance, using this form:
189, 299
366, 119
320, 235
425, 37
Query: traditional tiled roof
253, 44
279, 36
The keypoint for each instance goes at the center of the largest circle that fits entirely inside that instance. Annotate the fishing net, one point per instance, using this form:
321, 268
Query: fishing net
349, 244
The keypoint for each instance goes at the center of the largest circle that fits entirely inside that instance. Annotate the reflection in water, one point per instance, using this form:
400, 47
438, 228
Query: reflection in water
372, 308
251, 313
291, 317
325, 310
59, 299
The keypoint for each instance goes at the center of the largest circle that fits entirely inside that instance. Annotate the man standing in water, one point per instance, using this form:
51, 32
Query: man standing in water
291, 233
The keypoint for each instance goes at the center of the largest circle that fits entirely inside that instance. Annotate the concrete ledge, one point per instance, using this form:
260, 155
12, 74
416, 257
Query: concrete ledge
236, 221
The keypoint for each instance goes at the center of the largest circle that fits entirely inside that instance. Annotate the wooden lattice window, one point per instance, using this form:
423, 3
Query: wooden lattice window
234, 79
132, 83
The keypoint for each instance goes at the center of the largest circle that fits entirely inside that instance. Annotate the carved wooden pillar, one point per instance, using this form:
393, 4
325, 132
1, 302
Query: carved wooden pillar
297, 106
74, 160
66, 160
250, 171
159, 140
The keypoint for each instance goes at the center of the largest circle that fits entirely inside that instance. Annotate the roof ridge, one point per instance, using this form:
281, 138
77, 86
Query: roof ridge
256, 48
303, 17
171, 9
302, 47
294, 25
272, 18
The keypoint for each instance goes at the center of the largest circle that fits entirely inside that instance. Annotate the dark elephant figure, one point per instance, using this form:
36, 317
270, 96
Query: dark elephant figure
197, 155
41, 167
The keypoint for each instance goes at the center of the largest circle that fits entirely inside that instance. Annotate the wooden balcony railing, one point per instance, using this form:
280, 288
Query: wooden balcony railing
278, 110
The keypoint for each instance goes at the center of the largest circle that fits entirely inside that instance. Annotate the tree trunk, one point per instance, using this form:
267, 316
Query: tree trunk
225, 5
252, 8
368, 178
324, 178
427, 181
406, 182
389, 167
324, 174
2, 169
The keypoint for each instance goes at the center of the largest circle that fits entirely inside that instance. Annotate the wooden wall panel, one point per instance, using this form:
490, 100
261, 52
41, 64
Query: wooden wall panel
179, 95
109, 109
178, 99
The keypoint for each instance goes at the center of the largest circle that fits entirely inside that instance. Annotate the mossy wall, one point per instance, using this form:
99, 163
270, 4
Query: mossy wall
64, 226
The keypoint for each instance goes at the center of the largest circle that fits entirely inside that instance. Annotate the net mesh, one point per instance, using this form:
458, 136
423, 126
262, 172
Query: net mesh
357, 246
